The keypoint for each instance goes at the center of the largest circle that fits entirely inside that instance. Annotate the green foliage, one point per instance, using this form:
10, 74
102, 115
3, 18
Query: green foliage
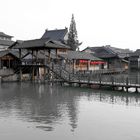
72, 35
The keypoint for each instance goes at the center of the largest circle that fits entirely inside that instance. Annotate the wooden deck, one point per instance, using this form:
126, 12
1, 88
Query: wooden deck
107, 84
113, 83
102, 78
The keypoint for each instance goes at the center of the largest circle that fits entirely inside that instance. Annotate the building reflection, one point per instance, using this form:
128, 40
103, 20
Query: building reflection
47, 105
40, 103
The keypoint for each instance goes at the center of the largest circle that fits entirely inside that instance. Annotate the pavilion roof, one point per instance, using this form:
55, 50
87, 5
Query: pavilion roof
41, 44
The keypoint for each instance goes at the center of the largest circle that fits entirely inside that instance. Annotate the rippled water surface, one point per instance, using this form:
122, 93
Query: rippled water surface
43, 112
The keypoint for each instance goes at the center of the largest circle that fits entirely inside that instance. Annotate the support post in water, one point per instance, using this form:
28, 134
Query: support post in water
20, 71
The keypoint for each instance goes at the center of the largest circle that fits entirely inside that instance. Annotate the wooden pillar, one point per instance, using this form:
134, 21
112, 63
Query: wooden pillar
9, 63
0, 64
108, 64
45, 62
33, 66
100, 79
33, 73
112, 80
126, 89
127, 84
37, 70
73, 63
56, 53
136, 90
88, 65
49, 59
127, 81
20, 69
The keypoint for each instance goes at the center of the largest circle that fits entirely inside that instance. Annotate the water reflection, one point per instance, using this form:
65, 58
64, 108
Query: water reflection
48, 106
116, 97
134, 76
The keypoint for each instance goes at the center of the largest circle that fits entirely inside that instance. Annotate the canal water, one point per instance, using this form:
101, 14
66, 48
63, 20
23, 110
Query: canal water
31, 111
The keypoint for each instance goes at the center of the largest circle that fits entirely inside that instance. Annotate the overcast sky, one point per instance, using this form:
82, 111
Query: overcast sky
98, 22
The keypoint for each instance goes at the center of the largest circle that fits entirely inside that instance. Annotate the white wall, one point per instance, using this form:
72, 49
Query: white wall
3, 47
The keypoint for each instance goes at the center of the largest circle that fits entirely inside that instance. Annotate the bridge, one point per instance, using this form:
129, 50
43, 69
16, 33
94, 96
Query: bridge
108, 78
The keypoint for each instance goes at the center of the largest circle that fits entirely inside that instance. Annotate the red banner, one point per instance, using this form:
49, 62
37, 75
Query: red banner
97, 62
92, 62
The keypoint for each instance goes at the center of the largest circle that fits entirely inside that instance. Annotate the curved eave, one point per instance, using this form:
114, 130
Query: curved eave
49, 46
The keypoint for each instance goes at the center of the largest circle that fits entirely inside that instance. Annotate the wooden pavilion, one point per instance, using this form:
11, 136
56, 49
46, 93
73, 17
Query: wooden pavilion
41, 51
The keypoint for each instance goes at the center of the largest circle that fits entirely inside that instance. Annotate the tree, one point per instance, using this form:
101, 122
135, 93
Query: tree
72, 35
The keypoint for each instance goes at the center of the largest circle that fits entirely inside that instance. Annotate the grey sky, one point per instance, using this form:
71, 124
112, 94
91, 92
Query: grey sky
98, 22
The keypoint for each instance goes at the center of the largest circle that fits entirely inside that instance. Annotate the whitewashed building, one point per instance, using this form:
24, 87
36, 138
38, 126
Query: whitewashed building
5, 41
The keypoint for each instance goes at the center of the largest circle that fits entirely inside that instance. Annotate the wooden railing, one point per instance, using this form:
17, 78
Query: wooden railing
102, 71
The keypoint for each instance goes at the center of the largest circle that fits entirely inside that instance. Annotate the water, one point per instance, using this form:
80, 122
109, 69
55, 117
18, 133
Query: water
45, 112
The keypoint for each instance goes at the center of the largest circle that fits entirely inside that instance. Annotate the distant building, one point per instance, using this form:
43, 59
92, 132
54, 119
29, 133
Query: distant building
134, 60
83, 61
8, 65
57, 35
5, 41
8, 59
115, 57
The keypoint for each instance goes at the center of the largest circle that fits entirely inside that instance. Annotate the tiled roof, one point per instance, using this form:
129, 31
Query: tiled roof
16, 43
5, 52
79, 55
6, 42
40, 55
136, 53
57, 34
109, 52
102, 52
121, 52
5, 35
41, 44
